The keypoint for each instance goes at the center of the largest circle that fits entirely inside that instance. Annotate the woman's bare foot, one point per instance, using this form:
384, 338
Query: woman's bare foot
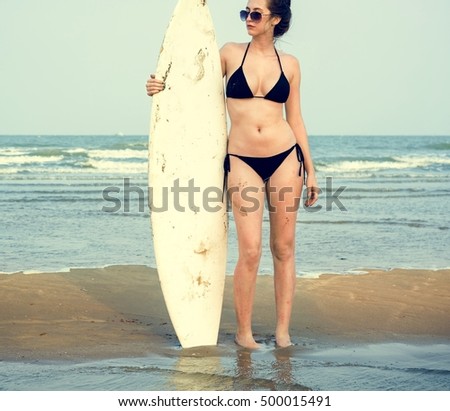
283, 341
247, 342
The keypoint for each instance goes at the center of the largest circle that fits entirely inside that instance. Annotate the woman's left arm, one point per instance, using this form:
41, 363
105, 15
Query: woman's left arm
295, 120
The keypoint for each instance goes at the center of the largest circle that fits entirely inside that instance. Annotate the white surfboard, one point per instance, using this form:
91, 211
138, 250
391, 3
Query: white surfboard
187, 147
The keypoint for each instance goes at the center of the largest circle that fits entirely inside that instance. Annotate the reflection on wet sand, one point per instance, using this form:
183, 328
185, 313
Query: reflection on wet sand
278, 374
196, 373
230, 368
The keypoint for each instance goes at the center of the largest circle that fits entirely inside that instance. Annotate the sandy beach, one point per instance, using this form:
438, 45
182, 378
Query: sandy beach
118, 312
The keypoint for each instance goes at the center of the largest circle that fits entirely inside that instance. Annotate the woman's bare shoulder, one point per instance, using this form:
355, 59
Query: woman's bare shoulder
231, 48
231, 55
289, 60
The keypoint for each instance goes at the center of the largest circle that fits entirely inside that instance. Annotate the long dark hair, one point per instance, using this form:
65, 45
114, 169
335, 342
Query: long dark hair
281, 8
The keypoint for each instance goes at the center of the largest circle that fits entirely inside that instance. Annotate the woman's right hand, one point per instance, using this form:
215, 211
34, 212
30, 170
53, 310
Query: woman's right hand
154, 86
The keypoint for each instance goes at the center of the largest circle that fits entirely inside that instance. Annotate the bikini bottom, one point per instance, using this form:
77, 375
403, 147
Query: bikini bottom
264, 166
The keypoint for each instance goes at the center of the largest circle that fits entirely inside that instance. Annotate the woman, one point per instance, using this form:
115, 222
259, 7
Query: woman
268, 156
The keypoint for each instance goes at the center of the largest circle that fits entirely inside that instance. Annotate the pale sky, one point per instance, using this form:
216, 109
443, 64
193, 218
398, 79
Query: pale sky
368, 66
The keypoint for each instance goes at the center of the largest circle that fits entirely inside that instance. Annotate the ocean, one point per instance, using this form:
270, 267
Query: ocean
81, 201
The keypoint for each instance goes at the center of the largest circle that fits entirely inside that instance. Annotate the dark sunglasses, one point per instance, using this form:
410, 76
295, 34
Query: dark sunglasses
254, 15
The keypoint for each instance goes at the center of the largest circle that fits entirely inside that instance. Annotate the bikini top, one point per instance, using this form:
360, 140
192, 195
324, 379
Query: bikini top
238, 87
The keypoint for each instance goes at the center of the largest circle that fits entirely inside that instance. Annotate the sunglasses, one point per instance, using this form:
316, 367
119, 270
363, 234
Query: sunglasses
254, 15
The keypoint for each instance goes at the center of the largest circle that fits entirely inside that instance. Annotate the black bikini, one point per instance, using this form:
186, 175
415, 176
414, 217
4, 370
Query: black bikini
238, 88
265, 166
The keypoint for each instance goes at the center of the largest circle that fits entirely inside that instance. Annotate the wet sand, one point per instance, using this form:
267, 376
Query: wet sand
118, 312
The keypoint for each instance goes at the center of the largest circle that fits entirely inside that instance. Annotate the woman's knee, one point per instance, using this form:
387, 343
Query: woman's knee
282, 250
250, 255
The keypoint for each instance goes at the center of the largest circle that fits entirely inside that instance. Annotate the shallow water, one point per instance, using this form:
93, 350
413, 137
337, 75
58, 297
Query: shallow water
376, 367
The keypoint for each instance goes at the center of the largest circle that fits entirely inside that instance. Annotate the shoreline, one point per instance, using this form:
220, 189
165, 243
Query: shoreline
119, 312
300, 275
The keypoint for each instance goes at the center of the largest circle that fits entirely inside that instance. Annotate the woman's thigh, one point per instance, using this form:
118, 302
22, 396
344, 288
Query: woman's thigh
246, 194
284, 194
